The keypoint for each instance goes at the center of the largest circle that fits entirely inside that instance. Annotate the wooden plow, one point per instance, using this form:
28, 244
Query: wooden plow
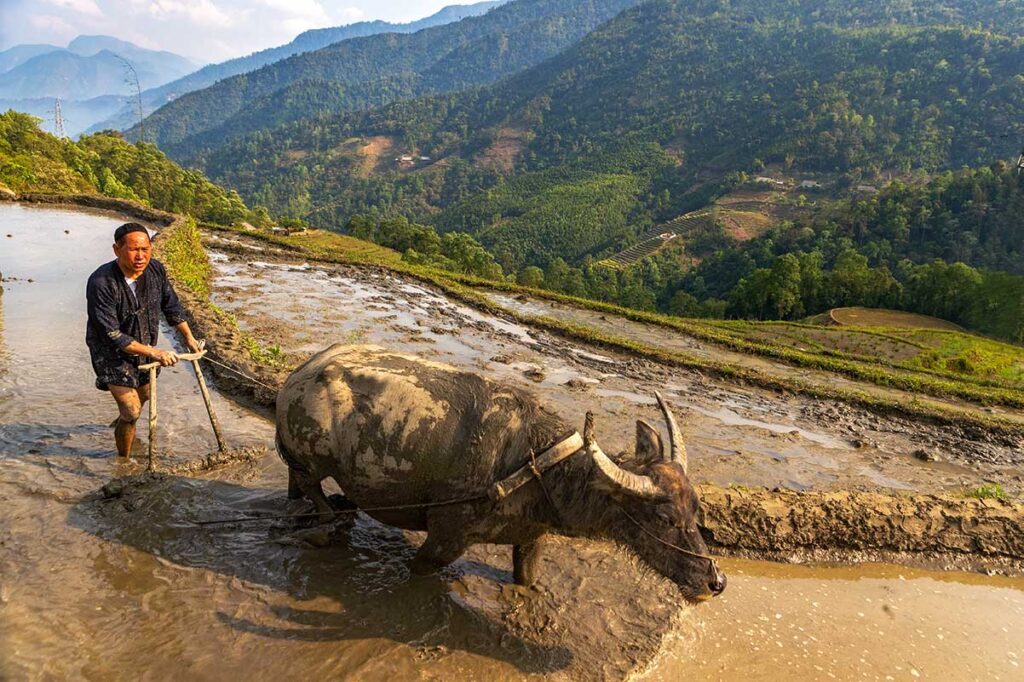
152, 367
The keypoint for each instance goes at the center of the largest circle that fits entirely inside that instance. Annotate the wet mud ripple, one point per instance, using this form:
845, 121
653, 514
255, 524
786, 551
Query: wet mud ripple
595, 614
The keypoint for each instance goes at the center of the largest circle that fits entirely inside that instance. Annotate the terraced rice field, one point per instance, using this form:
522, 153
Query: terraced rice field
876, 317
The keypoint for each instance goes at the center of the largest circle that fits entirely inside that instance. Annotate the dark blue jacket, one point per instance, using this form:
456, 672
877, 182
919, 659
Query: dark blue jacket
116, 318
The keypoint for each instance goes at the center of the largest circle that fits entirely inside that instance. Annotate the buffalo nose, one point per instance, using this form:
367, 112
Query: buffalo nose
717, 583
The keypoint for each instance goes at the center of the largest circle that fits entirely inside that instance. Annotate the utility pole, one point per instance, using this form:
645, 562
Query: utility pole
58, 119
132, 79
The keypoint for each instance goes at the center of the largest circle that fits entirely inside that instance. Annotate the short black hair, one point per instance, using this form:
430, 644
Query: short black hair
123, 231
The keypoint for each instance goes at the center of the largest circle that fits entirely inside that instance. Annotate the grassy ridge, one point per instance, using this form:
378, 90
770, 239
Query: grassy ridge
186, 260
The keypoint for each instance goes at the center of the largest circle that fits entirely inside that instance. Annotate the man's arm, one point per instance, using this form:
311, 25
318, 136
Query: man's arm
191, 343
174, 312
164, 357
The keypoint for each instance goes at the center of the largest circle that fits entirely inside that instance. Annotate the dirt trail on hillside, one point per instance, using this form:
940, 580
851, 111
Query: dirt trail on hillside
736, 435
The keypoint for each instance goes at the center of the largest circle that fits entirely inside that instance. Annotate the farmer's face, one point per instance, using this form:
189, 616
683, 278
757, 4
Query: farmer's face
133, 253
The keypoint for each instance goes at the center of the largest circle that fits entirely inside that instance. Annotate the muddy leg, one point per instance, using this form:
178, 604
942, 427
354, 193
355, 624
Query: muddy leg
129, 407
315, 493
525, 559
294, 489
434, 554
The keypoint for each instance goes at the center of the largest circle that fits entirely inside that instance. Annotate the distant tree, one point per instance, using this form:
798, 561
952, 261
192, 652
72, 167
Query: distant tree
531, 276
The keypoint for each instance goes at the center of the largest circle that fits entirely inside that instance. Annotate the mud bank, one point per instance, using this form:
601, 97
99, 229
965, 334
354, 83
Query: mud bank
926, 530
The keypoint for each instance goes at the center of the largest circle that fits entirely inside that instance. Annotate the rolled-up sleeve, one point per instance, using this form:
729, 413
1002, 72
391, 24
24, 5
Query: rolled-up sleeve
101, 302
169, 303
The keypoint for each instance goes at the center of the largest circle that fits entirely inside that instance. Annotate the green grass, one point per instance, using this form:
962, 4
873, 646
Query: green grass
965, 354
182, 252
269, 356
992, 491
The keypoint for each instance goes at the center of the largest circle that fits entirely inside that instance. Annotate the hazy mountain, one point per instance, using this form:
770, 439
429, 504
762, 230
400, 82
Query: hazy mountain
305, 42
89, 67
20, 54
364, 72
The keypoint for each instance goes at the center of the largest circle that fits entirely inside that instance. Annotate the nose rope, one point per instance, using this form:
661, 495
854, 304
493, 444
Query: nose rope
667, 543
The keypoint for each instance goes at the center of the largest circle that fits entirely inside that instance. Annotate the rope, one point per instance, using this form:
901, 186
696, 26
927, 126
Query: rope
665, 542
540, 481
532, 464
241, 374
339, 512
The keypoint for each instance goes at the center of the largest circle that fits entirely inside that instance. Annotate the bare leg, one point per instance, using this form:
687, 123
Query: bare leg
525, 559
129, 407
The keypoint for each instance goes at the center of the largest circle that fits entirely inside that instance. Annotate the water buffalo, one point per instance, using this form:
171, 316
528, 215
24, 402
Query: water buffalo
394, 429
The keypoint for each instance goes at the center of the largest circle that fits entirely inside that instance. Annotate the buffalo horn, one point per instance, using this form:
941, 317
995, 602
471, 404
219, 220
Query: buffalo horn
675, 436
618, 477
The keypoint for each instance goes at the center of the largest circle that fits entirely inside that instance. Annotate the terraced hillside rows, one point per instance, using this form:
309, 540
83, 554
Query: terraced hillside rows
648, 246
739, 225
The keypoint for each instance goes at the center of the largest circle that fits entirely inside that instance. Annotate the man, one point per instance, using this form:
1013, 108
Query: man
124, 299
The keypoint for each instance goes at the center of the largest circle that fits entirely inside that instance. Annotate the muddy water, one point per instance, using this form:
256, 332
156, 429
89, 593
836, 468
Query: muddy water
126, 587
869, 623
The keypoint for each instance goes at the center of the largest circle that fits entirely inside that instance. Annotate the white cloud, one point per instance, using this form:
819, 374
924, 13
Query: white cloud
299, 8
200, 12
50, 23
349, 14
86, 7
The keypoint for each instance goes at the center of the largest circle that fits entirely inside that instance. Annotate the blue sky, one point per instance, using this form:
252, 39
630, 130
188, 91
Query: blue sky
202, 30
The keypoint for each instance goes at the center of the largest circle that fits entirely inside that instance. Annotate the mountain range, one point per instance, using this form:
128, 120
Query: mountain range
87, 67
307, 41
364, 72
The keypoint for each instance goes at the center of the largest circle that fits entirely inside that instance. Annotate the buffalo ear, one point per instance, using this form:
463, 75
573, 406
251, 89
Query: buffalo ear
649, 449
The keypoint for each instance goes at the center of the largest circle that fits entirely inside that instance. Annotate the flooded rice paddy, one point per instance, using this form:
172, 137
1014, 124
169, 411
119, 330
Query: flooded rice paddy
736, 435
125, 587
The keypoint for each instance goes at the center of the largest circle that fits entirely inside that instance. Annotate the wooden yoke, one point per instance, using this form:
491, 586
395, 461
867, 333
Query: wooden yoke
544, 461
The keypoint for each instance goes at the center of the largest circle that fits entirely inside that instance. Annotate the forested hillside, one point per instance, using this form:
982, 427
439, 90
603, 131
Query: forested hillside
674, 103
34, 161
374, 70
649, 117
